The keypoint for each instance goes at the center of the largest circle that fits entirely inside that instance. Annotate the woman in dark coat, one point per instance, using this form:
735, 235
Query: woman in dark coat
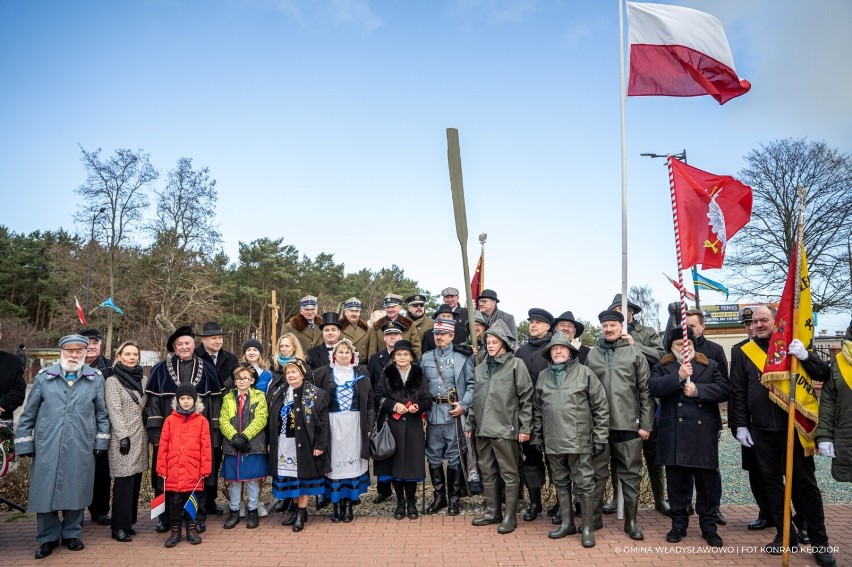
351, 417
690, 392
298, 439
402, 395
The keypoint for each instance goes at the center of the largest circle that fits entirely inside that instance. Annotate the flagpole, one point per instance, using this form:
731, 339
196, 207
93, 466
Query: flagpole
794, 367
621, 97
685, 350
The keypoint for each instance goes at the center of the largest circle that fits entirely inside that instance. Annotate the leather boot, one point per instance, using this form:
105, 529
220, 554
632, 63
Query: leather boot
192, 533
347, 510
291, 519
455, 489
510, 519
399, 511
336, 516
567, 526
174, 538
630, 526
252, 519
301, 518
439, 486
655, 475
411, 500
535, 505
232, 520
587, 529
493, 514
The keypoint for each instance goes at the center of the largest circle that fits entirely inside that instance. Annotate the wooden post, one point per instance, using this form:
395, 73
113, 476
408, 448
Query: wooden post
274, 325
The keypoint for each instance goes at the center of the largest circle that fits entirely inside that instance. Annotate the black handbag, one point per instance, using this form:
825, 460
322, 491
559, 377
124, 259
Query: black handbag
382, 443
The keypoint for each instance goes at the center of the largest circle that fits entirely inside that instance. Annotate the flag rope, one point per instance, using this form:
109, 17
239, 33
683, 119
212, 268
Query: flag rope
679, 267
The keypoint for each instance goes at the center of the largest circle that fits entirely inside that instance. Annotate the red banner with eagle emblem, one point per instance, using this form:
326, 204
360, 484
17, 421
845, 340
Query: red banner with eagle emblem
710, 210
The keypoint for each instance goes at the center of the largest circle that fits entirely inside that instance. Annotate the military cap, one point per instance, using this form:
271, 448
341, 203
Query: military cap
746, 314
74, 340
611, 315
392, 299
444, 326
538, 314
352, 303
389, 327
308, 301
90, 333
416, 298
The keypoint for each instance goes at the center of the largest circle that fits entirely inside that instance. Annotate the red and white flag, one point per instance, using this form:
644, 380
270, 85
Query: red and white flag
478, 279
688, 294
677, 51
80, 314
158, 505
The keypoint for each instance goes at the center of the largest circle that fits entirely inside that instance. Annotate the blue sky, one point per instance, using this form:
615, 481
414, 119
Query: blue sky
324, 121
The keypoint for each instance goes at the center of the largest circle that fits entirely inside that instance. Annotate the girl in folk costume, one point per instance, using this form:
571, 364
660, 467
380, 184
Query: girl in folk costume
289, 348
351, 417
128, 445
298, 439
252, 353
243, 425
403, 396
185, 458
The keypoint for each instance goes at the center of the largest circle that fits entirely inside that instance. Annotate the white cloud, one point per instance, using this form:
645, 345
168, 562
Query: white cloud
495, 12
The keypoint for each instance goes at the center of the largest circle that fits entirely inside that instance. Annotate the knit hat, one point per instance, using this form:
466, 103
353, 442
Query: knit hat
252, 343
186, 389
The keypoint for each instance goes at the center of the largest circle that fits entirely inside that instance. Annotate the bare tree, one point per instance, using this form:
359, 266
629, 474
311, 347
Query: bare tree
762, 254
117, 184
643, 296
181, 277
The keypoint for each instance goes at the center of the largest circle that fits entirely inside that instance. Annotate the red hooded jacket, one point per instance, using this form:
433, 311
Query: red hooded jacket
185, 455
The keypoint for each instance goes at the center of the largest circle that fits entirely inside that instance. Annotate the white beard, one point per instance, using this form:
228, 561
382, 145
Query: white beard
679, 355
70, 365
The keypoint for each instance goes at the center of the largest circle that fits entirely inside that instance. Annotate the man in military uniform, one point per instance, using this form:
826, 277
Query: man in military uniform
391, 333
460, 338
487, 302
393, 304
354, 329
102, 481
571, 426
532, 461
450, 377
330, 327
500, 419
649, 342
762, 424
225, 362
623, 371
306, 324
450, 296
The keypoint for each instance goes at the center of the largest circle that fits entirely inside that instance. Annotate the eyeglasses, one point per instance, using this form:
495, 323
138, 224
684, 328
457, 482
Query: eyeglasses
242, 378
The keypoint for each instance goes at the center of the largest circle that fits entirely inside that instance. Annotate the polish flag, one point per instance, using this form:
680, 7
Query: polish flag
677, 51
80, 314
158, 505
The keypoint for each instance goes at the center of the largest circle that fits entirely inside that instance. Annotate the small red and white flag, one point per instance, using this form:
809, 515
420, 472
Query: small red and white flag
677, 51
80, 314
158, 505
689, 295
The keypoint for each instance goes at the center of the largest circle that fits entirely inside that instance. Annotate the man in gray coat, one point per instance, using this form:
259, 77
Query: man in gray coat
64, 426
450, 377
623, 372
487, 302
500, 419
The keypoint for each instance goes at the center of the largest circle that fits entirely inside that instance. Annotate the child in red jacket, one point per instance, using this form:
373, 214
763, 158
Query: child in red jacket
185, 457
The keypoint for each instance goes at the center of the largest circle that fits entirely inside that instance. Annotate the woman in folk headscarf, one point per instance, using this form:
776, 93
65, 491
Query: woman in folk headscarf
351, 417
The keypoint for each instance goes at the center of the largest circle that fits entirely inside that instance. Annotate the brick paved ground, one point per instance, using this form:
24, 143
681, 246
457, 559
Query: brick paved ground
430, 540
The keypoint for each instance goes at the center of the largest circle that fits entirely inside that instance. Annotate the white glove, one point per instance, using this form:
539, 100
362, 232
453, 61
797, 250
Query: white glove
798, 349
826, 449
744, 437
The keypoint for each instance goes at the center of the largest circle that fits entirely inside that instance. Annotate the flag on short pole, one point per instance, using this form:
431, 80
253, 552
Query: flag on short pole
689, 294
158, 505
191, 505
80, 314
677, 51
476, 282
706, 283
108, 302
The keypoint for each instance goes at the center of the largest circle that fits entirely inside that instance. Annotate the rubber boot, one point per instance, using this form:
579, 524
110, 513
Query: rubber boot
174, 538
399, 512
192, 533
336, 516
597, 505
455, 489
301, 518
630, 526
587, 528
510, 519
439, 486
655, 474
567, 526
347, 510
535, 505
493, 514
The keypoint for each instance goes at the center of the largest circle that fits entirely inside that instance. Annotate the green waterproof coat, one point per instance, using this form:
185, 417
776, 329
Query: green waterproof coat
623, 372
648, 341
569, 417
835, 422
502, 399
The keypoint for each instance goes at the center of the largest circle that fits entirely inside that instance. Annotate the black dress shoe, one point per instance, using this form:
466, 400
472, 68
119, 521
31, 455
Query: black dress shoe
131, 531
803, 536
163, 526
713, 539
201, 527
758, 524
73, 544
121, 536
102, 520
719, 518
46, 549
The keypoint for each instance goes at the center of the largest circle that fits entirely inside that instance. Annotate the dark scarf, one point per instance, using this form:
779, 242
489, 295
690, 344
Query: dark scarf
130, 378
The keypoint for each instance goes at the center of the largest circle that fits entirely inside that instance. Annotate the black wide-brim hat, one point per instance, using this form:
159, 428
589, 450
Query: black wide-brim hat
403, 345
488, 294
182, 331
616, 302
211, 329
569, 316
